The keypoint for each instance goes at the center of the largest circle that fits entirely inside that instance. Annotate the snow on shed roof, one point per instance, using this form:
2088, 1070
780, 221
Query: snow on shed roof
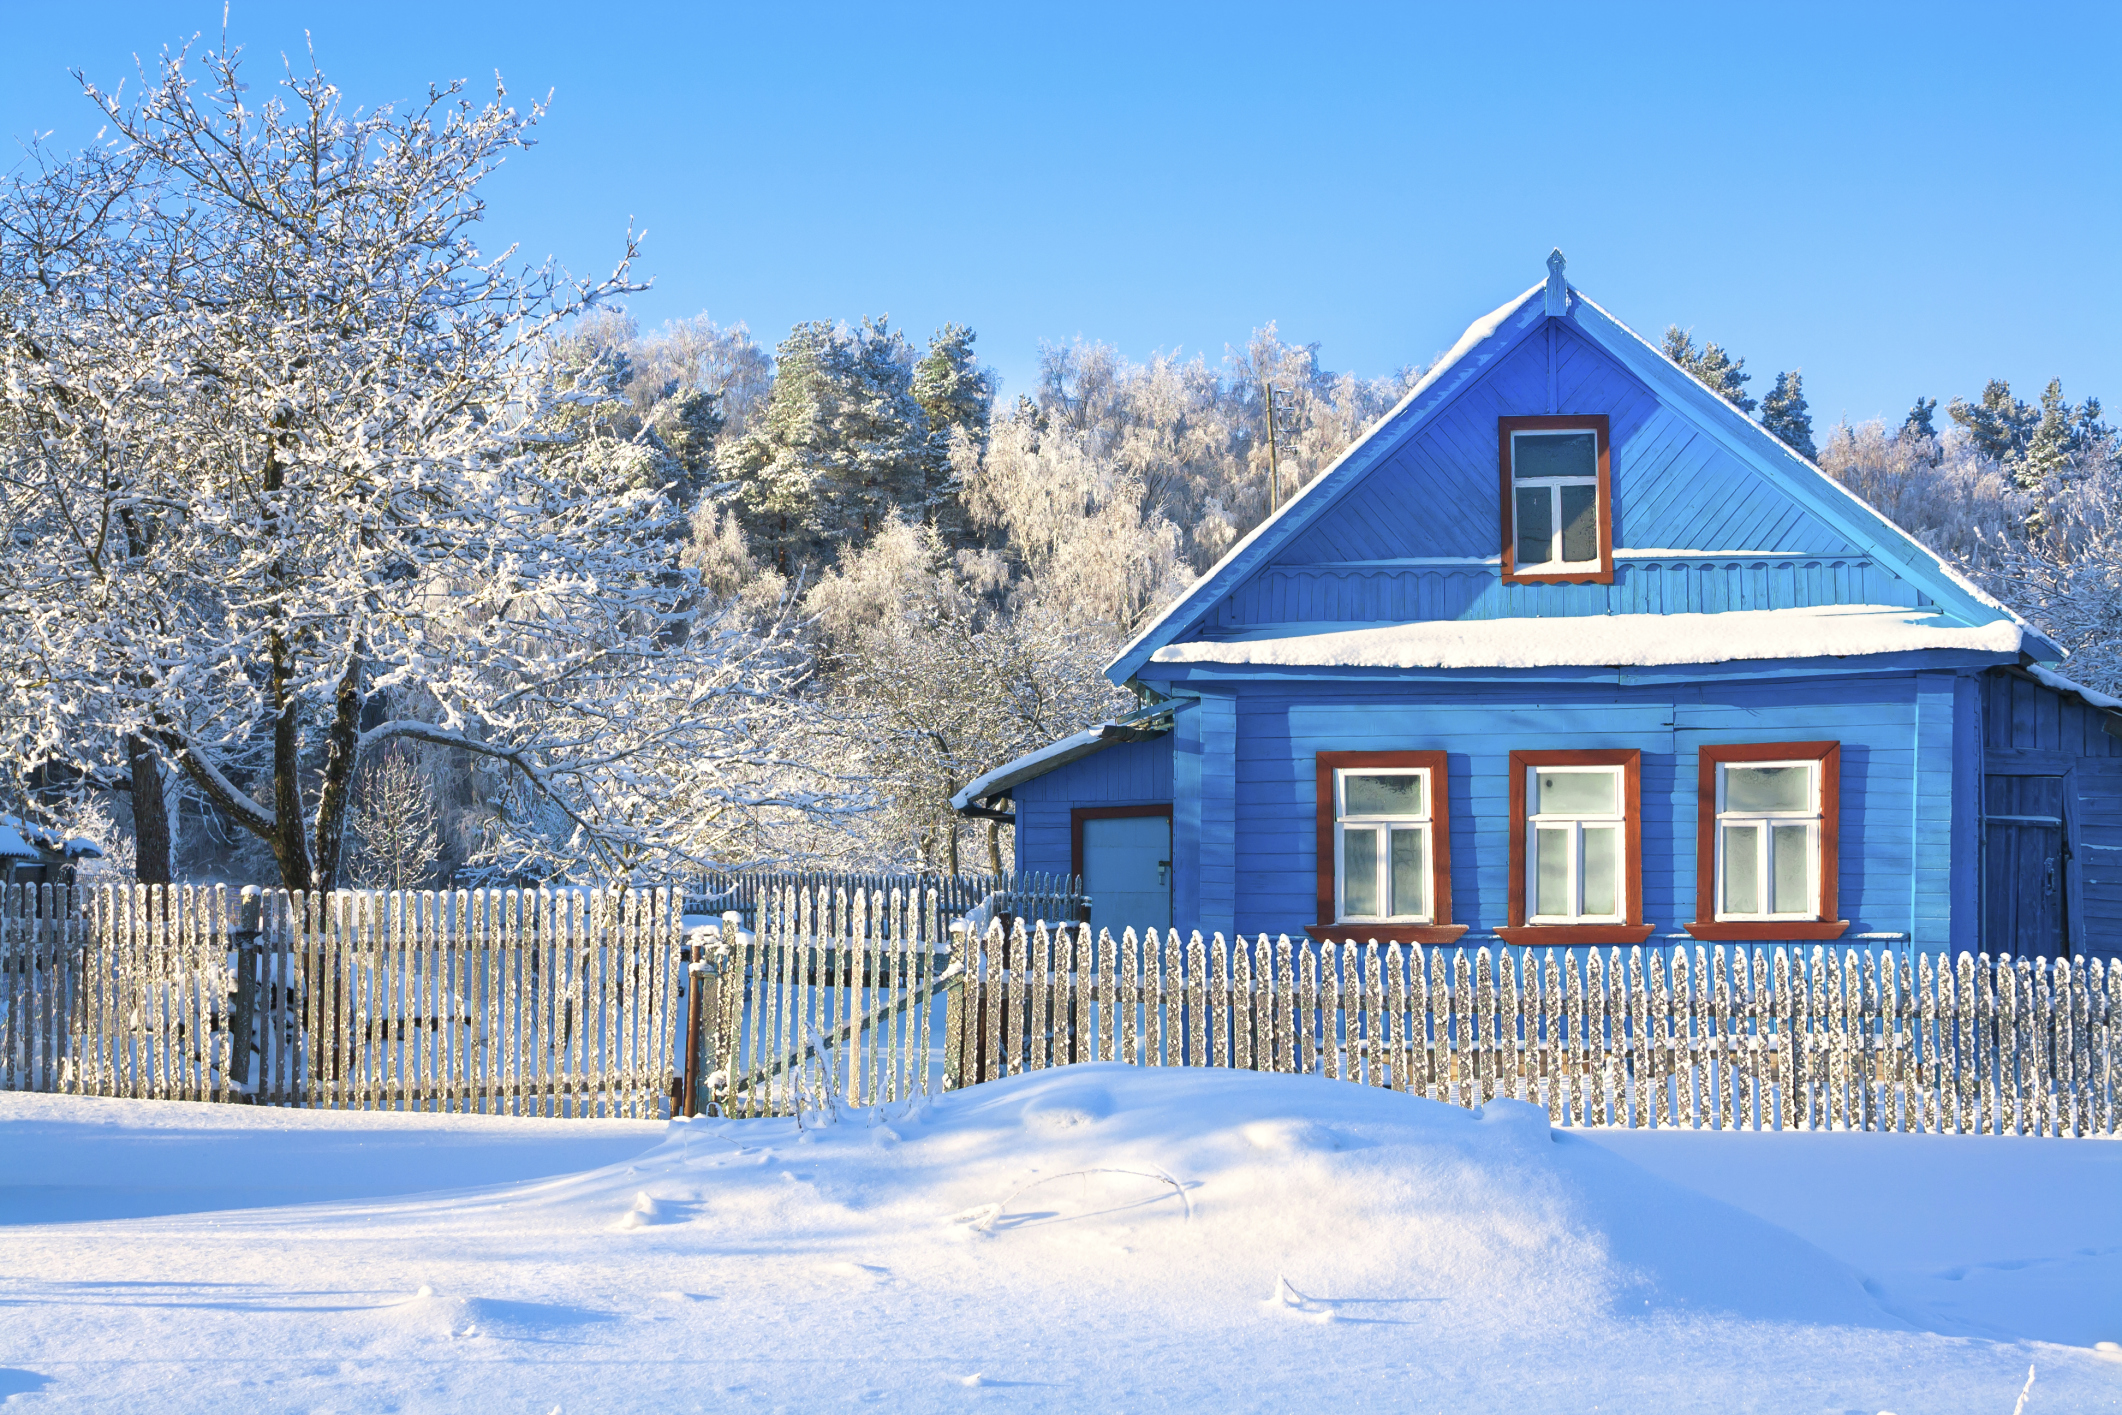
2048, 677
1613, 640
1057, 754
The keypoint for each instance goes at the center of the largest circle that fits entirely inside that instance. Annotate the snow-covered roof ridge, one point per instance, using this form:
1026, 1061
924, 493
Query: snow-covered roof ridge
1614, 641
1476, 333
25, 840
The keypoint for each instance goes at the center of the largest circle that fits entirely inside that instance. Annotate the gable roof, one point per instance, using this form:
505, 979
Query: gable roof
1484, 344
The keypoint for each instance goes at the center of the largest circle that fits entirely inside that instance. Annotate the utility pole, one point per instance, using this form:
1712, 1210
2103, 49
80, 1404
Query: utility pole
1281, 406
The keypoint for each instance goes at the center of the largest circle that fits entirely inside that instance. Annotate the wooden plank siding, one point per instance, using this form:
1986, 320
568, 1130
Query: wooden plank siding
1130, 774
1674, 486
2030, 729
1477, 726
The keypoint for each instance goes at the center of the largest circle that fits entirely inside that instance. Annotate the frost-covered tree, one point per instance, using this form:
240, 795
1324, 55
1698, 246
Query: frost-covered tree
948, 674
1918, 422
1783, 412
278, 441
951, 387
394, 822
1725, 375
842, 448
1998, 424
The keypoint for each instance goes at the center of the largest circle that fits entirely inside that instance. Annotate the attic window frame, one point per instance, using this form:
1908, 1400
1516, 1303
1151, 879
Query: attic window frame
1596, 423
1827, 858
1440, 928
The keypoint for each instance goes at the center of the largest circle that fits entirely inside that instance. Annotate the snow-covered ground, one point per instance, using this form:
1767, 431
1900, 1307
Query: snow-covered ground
1095, 1238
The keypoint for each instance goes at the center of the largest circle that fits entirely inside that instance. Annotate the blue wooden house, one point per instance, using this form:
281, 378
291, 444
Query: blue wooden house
1568, 650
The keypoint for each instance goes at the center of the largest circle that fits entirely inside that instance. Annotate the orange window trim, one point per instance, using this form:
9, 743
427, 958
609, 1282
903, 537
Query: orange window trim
1631, 763
1441, 929
1594, 422
1824, 924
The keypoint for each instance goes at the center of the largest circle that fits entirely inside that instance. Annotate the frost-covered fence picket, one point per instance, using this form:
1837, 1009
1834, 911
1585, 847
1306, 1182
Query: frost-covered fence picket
1031, 894
43, 940
835, 998
558, 1003
1711, 1037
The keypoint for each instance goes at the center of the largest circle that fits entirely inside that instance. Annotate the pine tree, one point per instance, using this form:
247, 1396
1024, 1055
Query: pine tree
1725, 375
951, 388
1999, 425
843, 445
1918, 423
1784, 414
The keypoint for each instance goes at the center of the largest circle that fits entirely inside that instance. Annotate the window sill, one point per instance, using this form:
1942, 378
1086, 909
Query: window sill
1768, 930
1574, 933
1385, 933
1594, 575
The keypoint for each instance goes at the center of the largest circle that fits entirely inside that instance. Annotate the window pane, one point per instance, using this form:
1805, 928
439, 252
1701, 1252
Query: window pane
1791, 846
1602, 858
1578, 793
1381, 795
1410, 873
1536, 525
1359, 872
1551, 872
1554, 454
1580, 522
1768, 788
1742, 870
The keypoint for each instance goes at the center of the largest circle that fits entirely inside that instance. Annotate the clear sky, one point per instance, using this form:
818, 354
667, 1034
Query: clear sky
1897, 200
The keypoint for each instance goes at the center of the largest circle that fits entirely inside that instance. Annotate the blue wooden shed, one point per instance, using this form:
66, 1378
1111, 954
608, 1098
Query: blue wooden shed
1567, 650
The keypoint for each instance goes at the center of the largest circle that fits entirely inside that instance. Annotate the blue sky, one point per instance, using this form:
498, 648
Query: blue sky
1898, 200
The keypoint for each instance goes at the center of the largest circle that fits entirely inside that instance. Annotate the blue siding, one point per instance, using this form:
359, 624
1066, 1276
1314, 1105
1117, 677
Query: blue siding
1287, 594
2032, 729
1675, 487
1130, 774
1876, 719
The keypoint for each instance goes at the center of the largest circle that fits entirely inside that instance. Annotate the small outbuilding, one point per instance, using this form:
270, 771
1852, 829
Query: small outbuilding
1568, 650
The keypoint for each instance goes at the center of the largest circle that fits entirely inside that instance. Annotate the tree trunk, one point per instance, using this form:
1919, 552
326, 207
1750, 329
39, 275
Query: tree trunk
154, 844
290, 848
994, 847
336, 791
954, 845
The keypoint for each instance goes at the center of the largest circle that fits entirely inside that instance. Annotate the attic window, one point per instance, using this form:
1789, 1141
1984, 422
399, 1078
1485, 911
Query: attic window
1558, 522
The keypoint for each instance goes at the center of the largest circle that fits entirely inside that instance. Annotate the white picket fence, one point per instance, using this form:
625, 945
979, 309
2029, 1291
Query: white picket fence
1712, 1037
550, 1002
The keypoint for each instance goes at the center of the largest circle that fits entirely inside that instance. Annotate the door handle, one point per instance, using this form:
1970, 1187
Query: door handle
1163, 867
2048, 876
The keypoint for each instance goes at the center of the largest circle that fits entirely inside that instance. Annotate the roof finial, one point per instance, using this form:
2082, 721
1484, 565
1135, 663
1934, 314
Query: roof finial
1557, 291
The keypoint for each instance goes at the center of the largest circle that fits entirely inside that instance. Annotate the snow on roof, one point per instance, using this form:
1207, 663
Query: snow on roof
21, 840
1916, 547
1479, 330
1613, 640
1056, 754
2050, 678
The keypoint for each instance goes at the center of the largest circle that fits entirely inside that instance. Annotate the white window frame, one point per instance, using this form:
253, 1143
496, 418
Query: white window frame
1385, 824
1534, 820
1764, 859
1555, 562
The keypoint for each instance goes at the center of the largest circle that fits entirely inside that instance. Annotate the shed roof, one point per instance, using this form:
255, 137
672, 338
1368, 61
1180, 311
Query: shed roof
998, 783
